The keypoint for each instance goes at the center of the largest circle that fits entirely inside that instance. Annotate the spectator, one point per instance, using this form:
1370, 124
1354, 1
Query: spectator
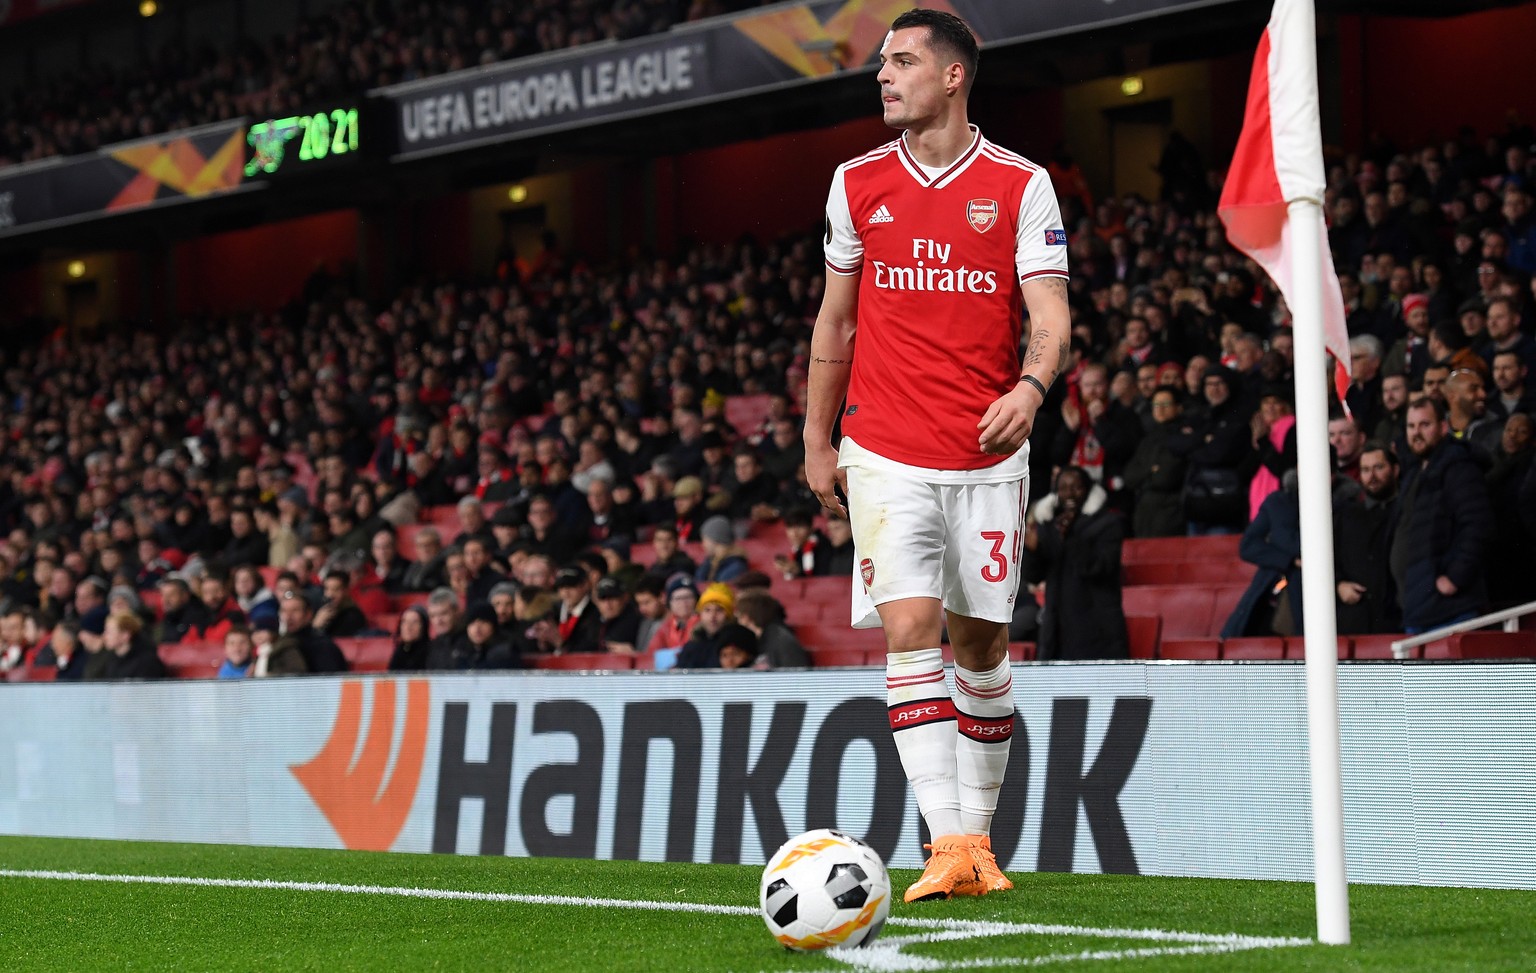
809, 551
477, 647
64, 652
1362, 539
1214, 499
723, 559
738, 647
688, 508
385, 566
1365, 381
319, 653
1467, 418
580, 622
1155, 472
839, 563
651, 603
1511, 569
1511, 379
1077, 554
544, 534
338, 616
620, 618
1504, 333
426, 572
1347, 441
247, 544
777, 646
1097, 434
669, 559
1394, 408
675, 629
503, 602
220, 608
237, 653
482, 576
412, 643
1274, 444
716, 610
1410, 355
251, 594
129, 655
1272, 541
180, 613
13, 645
1444, 526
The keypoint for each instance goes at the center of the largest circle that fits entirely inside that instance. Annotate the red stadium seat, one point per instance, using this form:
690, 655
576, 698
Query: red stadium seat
1373, 646
1150, 572
1213, 571
192, 654
1494, 645
1261, 648
268, 574
367, 654
587, 661
825, 658
1221, 547
829, 636
1143, 632
827, 589
42, 674
1185, 609
1021, 651
1191, 649
409, 599
1224, 599
645, 661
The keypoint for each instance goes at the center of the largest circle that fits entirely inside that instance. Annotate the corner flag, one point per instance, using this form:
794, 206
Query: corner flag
1272, 205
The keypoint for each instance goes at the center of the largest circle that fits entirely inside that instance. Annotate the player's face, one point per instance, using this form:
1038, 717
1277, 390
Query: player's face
911, 78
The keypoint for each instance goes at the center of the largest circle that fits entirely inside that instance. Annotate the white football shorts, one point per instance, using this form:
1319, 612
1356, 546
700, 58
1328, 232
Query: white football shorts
958, 542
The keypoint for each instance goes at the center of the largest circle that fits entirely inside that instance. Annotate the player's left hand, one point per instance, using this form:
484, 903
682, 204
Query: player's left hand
1008, 420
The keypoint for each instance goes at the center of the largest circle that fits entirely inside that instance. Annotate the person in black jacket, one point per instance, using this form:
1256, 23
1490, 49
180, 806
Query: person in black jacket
581, 624
477, 647
1155, 473
1362, 538
1077, 555
411, 641
1444, 526
1215, 494
339, 617
620, 617
294, 617
1273, 543
1098, 434
130, 653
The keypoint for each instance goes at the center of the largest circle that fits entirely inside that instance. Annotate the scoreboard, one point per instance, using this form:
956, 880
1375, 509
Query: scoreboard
325, 138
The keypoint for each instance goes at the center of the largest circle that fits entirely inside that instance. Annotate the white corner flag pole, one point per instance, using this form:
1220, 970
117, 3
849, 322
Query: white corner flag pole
1315, 474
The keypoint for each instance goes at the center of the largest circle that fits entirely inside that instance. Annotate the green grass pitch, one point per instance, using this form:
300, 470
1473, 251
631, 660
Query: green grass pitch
1060, 921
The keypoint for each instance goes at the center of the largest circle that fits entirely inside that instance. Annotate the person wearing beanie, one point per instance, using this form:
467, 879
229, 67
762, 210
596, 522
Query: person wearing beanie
738, 647
723, 560
1410, 354
717, 609
682, 601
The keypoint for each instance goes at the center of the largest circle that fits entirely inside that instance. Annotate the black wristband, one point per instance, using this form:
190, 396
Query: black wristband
1036, 383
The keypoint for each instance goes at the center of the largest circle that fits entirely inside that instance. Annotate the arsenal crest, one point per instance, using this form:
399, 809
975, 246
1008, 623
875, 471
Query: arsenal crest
981, 214
867, 572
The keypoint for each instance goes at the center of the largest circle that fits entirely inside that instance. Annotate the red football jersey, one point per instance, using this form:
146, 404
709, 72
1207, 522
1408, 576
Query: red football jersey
941, 257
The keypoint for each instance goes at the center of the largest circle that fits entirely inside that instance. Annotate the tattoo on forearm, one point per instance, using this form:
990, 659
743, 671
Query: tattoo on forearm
1034, 352
1064, 348
833, 361
1056, 286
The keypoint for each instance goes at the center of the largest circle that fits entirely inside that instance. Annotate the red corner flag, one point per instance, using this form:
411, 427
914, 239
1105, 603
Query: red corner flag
1279, 159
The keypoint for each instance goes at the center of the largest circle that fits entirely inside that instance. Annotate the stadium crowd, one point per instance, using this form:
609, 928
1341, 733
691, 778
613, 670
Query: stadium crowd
495, 472
343, 50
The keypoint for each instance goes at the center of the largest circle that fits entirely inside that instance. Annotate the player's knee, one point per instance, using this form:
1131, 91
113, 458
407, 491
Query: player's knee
908, 631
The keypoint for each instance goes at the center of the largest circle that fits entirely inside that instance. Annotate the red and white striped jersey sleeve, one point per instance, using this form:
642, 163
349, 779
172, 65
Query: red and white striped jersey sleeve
1042, 239
842, 248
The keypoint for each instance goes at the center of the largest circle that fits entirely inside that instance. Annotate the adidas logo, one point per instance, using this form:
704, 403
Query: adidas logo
882, 215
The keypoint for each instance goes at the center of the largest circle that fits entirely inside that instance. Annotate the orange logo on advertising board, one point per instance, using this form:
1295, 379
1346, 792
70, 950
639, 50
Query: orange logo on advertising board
849, 38
367, 812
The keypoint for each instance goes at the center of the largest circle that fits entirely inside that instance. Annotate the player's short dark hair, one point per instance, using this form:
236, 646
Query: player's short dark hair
1377, 446
948, 35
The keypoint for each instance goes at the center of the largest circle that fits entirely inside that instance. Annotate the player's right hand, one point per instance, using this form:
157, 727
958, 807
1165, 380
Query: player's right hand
823, 476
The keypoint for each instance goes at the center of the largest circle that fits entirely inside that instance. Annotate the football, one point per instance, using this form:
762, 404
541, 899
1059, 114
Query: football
825, 888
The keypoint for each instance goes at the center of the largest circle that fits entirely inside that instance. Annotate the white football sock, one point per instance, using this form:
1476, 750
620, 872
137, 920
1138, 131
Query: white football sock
923, 725
984, 705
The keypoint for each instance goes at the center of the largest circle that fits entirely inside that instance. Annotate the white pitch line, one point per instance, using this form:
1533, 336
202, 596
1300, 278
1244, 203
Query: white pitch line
885, 956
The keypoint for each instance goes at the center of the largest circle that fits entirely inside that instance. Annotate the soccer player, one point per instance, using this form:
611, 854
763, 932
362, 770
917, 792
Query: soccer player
935, 243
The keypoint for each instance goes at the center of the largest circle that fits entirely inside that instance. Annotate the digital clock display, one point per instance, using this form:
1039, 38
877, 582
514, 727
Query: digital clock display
303, 142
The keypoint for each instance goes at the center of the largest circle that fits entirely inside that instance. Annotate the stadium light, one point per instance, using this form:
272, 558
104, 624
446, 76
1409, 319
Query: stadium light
1131, 85
75, 269
518, 193
148, 8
